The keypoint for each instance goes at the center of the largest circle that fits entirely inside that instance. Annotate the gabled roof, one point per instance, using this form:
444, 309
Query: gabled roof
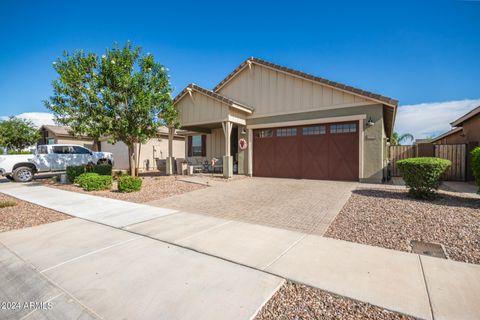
214, 95
465, 117
446, 134
366, 94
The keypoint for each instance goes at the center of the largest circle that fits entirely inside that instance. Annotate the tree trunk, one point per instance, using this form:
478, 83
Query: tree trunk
131, 159
137, 157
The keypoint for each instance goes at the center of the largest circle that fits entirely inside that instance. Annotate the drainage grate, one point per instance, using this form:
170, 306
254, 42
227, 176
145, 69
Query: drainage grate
428, 249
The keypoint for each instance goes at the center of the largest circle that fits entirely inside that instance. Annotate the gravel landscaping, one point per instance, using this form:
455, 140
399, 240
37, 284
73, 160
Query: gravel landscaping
18, 214
295, 301
390, 219
153, 188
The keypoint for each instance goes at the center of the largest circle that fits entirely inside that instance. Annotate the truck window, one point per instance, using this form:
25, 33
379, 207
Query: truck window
61, 149
42, 150
80, 150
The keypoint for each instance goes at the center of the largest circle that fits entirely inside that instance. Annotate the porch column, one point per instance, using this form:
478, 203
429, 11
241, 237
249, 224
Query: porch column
170, 159
227, 158
250, 153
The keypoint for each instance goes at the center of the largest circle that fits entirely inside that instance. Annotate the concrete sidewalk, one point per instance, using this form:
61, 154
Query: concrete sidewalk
423, 287
91, 271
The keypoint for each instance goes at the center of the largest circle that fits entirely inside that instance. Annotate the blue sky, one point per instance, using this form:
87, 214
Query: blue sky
414, 51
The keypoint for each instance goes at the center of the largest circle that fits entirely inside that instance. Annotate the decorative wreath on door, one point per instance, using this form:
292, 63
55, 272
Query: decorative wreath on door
242, 144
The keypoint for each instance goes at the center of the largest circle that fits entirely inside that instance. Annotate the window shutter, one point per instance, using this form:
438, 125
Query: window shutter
189, 153
204, 145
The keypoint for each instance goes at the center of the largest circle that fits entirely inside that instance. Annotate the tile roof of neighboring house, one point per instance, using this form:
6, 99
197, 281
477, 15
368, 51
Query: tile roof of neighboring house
213, 95
446, 134
465, 117
363, 93
59, 130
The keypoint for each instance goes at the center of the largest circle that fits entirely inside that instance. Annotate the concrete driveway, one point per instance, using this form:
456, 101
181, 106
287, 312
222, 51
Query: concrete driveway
301, 205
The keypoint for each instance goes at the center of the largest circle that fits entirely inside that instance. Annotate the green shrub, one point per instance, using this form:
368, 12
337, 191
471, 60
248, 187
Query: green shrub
129, 184
19, 152
74, 171
102, 169
476, 166
6, 204
422, 175
93, 181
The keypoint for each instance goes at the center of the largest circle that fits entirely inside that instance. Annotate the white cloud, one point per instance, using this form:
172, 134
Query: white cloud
38, 118
431, 119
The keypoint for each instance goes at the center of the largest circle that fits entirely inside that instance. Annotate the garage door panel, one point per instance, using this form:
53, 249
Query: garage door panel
287, 157
314, 164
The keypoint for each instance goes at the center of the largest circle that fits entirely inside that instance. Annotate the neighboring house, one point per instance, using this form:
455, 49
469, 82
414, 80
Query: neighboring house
465, 129
270, 121
50, 134
152, 153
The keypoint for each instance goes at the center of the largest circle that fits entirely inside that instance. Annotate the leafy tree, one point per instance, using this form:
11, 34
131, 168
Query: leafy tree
123, 95
18, 134
398, 139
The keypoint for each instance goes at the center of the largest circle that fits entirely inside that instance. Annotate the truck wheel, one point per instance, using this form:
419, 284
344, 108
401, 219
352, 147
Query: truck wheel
23, 174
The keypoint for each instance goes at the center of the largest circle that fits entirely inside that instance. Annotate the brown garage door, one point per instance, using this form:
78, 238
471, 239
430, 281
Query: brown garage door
323, 151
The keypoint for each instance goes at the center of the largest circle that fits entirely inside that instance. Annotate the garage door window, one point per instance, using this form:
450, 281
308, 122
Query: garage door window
286, 132
264, 133
312, 131
343, 128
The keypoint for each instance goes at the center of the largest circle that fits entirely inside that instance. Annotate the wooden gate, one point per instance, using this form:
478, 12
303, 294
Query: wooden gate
398, 153
457, 153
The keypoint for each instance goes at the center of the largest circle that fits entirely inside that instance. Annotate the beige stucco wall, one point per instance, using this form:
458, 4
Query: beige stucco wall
149, 152
272, 92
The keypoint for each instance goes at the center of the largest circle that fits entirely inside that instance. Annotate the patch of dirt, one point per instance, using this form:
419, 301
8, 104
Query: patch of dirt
153, 188
21, 214
390, 219
294, 301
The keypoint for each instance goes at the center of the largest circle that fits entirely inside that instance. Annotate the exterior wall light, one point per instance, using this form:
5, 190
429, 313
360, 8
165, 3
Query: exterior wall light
370, 122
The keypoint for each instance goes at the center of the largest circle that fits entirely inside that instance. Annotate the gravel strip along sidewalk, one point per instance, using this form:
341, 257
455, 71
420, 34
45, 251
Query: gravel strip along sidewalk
24, 214
390, 219
295, 301
153, 188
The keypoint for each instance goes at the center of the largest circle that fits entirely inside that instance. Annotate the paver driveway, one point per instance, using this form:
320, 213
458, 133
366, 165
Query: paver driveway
301, 205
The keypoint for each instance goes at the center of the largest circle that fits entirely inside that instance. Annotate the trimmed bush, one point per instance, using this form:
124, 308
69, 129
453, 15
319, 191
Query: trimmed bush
91, 181
129, 184
102, 169
422, 175
74, 171
476, 166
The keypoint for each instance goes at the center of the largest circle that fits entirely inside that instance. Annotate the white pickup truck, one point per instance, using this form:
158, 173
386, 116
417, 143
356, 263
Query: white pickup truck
49, 158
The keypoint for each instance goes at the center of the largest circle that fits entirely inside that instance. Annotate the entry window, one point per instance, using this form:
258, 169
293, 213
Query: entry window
312, 131
50, 141
286, 132
267, 133
197, 146
343, 128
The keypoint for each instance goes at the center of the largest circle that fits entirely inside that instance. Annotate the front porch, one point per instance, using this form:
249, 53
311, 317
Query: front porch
215, 125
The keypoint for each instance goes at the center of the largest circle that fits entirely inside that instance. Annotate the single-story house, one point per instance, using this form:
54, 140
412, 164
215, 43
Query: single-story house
271, 121
50, 134
153, 153
465, 129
